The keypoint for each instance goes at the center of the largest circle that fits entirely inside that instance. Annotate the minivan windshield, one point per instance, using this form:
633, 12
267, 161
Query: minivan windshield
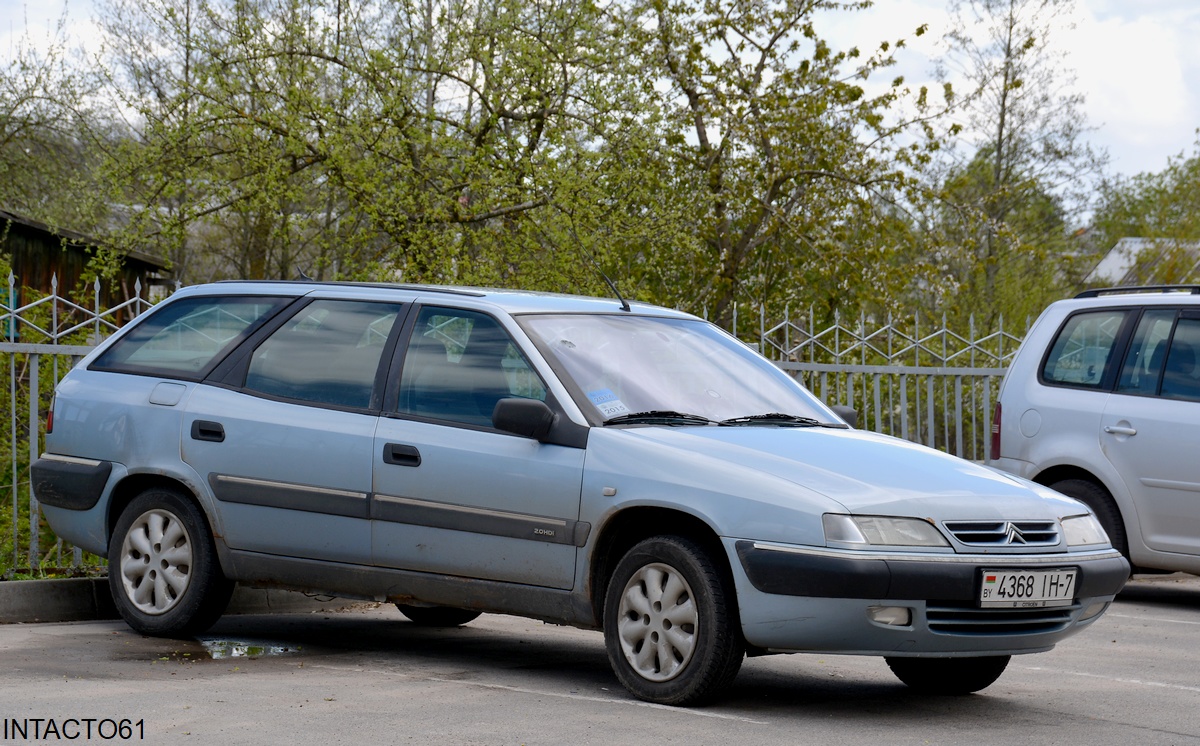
628, 368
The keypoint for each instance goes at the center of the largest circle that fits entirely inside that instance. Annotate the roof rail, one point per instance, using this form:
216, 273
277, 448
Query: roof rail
447, 289
1128, 289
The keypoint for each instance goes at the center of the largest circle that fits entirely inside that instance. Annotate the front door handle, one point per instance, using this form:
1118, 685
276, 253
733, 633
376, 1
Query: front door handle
1120, 430
214, 432
401, 455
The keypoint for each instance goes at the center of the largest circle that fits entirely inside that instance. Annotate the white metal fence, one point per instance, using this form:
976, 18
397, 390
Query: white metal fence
42, 339
914, 379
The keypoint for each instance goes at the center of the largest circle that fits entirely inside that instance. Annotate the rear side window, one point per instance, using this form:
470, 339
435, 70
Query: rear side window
1083, 349
1164, 357
187, 338
328, 353
1181, 373
1147, 352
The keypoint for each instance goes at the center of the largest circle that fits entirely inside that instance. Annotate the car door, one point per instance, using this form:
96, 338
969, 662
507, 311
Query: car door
455, 496
284, 437
1150, 430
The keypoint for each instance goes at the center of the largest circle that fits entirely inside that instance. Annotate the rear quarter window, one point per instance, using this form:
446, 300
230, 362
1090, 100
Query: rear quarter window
1083, 350
187, 338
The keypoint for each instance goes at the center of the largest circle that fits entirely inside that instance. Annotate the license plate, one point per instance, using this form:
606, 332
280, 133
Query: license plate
1027, 588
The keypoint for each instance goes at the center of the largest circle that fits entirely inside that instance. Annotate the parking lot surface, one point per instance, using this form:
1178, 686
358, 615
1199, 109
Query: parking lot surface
366, 675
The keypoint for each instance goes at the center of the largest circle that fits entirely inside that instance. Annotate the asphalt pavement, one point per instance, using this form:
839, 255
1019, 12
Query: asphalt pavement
363, 674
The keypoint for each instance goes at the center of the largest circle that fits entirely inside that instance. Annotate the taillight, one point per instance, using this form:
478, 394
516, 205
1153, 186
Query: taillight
996, 433
50, 417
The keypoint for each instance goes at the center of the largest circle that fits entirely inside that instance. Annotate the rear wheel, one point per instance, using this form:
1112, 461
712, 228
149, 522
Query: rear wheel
162, 566
437, 616
1102, 504
952, 676
670, 623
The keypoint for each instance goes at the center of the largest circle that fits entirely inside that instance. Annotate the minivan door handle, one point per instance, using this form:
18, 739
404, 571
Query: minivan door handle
1120, 430
401, 455
213, 432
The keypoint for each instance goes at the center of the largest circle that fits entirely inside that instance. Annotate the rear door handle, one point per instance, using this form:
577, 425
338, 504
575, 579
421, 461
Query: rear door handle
213, 432
401, 455
1120, 430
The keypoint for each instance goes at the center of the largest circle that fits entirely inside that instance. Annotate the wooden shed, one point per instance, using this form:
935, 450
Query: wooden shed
36, 253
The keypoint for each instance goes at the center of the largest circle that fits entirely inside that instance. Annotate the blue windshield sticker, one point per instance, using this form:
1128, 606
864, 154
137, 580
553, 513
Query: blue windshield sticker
607, 402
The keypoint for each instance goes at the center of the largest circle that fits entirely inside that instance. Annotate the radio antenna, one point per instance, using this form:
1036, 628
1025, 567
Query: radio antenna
613, 286
587, 257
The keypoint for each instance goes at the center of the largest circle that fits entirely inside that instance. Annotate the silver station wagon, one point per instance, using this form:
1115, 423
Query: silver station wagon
577, 460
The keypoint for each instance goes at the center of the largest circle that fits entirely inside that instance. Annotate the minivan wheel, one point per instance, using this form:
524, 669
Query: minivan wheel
670, 623
162, 567
437, 616
1101, 503
951, 676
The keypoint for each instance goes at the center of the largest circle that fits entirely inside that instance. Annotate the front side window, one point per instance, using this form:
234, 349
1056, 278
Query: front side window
630, 365
1082, 351
328, 353
459, 364
186, 338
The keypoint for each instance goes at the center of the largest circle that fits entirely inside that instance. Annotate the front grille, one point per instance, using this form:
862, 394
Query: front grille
1005, 533
952, 618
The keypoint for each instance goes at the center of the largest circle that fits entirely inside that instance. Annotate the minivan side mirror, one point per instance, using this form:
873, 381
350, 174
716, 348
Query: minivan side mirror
528, 418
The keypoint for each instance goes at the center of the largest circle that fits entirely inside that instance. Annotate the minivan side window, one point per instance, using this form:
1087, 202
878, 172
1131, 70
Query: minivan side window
1181, 376
1082, 351
1148, 350
328, 353
187, 338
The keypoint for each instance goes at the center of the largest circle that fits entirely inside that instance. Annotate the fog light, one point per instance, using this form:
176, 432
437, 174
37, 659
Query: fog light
895, 616
1093, 611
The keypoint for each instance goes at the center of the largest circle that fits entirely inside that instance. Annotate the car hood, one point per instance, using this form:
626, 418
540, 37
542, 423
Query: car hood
864, 472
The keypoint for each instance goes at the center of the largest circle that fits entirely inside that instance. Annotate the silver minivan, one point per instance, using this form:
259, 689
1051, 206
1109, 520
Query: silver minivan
1102, 402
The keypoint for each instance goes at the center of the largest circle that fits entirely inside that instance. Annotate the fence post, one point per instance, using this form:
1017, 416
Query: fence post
34, 518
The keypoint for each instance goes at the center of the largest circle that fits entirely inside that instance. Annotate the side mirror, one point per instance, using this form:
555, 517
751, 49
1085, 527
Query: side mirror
849, 414
528, 418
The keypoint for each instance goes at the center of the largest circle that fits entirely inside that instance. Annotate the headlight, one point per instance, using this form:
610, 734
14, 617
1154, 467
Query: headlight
879, 530
1082, 530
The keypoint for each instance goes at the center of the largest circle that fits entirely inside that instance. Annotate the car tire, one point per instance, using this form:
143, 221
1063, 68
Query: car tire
162, 567
948, 676
437, 616
1101, 503
670, 623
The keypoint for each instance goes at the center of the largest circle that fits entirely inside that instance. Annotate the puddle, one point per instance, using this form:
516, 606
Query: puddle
223, 648
220, 648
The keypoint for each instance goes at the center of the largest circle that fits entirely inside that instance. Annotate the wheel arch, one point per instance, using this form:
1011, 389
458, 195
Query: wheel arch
1060, 472
1125, 514
133, 485
631, 525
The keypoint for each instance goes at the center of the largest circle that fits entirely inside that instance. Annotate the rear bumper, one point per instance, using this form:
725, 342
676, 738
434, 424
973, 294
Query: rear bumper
68, 482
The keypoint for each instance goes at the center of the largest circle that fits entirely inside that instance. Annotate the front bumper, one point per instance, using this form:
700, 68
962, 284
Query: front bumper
795, 598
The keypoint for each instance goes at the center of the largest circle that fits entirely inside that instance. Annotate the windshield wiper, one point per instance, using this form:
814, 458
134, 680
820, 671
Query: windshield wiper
659, 416
776, 418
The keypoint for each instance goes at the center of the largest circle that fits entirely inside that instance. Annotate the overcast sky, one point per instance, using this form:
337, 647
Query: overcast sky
1137, 62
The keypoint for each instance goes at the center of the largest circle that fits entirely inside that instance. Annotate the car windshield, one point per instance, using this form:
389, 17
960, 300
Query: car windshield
629, 368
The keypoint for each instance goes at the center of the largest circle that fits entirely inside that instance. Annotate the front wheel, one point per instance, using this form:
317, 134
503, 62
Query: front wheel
670, 623
953, 676
162, 567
